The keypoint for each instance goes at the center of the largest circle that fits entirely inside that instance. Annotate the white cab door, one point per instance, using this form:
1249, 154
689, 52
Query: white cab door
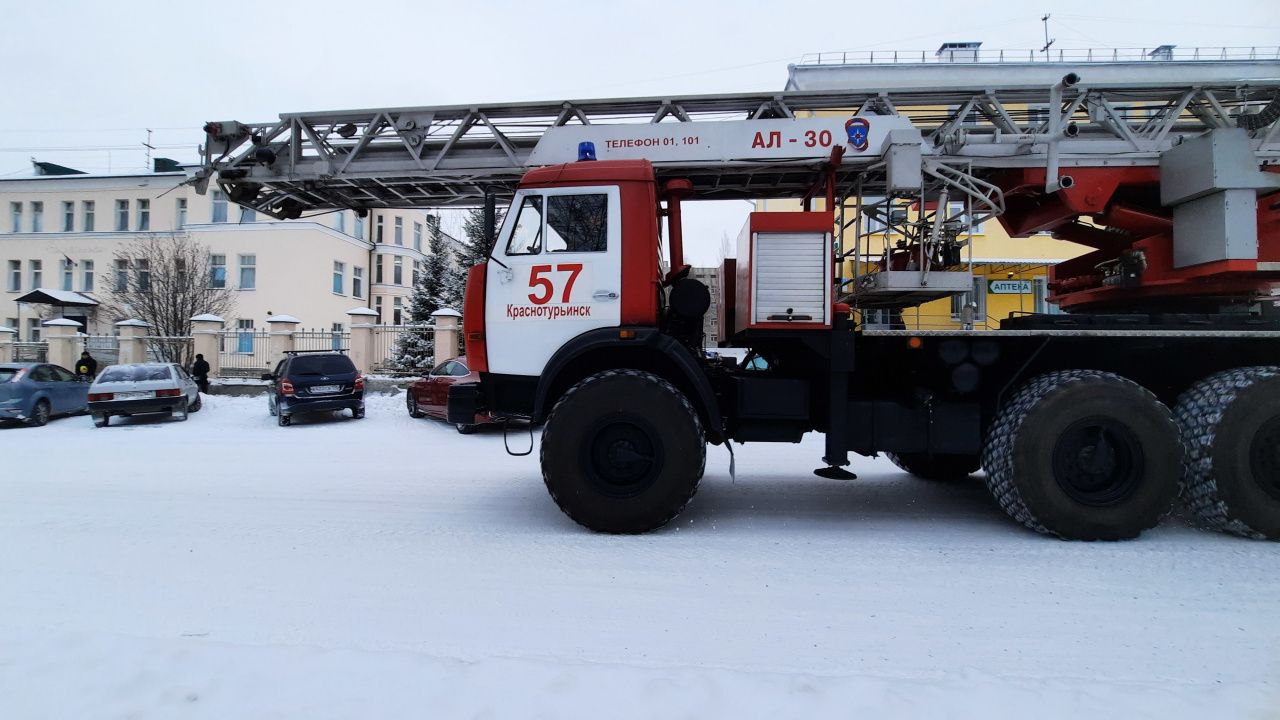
558, 274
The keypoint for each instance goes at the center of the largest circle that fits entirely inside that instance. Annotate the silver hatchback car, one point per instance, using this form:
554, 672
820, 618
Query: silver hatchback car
123, 390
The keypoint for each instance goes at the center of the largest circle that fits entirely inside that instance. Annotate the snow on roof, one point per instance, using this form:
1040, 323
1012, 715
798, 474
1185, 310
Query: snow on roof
361, 311
132, 323
61, 322
207, 317
446, 312
283, 318
7, 329
49, 296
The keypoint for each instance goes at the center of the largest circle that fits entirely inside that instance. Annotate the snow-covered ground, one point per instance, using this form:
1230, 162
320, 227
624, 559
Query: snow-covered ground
386, 567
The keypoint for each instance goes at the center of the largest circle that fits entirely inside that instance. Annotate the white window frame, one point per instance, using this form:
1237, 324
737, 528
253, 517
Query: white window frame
36, 270
357, 282
37, 216
87, 210
68, 216
399, 230
417, 236
397, 270
218, 206
15, 217
339, 277
144, 215
122, 215
68, 275
248, 261
15, 276
86, 276
216, 261
180, 212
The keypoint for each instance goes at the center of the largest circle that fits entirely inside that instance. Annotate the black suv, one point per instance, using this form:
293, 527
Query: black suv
306, 382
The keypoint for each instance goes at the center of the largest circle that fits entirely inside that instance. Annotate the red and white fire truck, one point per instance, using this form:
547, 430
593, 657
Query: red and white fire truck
1162, 379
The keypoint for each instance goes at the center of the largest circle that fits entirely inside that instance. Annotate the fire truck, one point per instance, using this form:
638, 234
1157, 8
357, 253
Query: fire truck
1159, 382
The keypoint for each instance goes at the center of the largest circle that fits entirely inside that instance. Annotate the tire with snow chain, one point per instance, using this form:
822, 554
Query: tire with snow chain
622, 452
1084, 455
937, 467
1230, 425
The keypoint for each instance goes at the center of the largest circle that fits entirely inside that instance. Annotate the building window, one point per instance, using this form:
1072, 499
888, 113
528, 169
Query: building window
1040, 292
377, 269
248, 272
68, 273
144, 214
417, 272
217, 271
357, 282
359, 226
15, 276
219, 206
15, 217
397, 271
377, 229
87, 267
122, 275
417, 236
122, 215
980, 299
340, 222
399, 230
377, 308
86, 209
339, 277
12, 323
955, 210
181, 212
68, 216
143, 268
397, 311
37, 217
33, 329
37, 273
180, 271
244, 335
248, 215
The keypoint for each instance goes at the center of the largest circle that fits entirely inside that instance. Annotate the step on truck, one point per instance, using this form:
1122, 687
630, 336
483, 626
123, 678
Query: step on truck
1160, 382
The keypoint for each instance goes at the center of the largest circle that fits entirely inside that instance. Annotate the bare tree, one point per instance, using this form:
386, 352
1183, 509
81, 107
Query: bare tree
165, 280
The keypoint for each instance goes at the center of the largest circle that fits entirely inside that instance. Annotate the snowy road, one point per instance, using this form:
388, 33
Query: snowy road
388, 567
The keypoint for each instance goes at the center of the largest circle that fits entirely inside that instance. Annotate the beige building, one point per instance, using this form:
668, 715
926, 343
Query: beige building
66, 232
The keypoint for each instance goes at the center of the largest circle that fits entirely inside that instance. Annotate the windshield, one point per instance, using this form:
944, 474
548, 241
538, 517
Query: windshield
135, 373
8, 374
322, 365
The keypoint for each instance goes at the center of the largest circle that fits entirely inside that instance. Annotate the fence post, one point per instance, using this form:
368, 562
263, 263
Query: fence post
7, 334
206, 332
64, 346
133, 344
446, 320
280, 337
361, 349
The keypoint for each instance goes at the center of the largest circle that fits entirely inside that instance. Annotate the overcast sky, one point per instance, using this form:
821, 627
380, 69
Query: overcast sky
83, 80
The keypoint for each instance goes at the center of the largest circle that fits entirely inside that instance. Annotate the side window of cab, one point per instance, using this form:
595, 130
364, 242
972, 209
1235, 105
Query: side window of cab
526, 236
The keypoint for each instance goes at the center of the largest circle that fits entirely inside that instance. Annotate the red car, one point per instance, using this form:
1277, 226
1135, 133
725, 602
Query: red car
429, 396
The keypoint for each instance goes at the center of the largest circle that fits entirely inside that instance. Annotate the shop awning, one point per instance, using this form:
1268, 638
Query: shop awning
57, 298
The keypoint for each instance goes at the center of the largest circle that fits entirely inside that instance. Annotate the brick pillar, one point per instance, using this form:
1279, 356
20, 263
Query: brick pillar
447, 329
133, 346
7, 334
206, 332
280, 337
64, 342
361, 348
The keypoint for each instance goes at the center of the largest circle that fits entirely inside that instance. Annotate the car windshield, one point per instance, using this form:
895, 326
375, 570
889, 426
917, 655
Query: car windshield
322, 365
135, 373
8, 374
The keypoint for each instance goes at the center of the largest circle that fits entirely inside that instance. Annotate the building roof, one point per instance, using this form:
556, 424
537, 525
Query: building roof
59, 298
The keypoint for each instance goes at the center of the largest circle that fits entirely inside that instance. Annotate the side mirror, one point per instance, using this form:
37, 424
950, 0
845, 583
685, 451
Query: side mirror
268, 376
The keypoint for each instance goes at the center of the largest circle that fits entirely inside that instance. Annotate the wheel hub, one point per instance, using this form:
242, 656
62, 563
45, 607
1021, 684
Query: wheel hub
621, 456
1264, 457
1098, 461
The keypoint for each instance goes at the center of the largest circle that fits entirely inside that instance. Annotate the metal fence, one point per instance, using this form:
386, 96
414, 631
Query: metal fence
31, 352
386, 341
168, 349
104, 348
244, 352
321, 340
1064, 55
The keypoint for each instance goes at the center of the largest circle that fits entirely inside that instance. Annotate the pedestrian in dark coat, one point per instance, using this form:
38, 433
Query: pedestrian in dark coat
200, 371
86, 367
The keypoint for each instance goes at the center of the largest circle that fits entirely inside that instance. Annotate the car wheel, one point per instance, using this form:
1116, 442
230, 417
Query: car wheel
40, 415
195, 406
412, 403
101, 420
182, 412
283, 420
357, 413
465, 428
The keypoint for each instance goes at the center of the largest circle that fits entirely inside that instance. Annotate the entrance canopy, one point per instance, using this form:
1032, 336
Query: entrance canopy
58, 298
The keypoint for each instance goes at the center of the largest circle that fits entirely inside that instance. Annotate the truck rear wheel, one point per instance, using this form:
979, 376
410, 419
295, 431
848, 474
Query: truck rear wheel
1084, 455
937, 467
622, 452
1231, 426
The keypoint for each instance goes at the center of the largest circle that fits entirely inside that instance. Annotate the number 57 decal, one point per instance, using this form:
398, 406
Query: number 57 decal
548, 288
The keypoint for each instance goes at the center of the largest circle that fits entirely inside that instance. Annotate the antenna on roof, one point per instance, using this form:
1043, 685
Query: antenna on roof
1047, 41
149, 147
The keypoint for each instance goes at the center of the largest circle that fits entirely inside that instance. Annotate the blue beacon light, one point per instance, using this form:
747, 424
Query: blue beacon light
586, 151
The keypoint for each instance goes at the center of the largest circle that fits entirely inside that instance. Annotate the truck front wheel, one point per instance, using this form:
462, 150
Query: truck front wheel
1084, 455
1231, 426
622, 452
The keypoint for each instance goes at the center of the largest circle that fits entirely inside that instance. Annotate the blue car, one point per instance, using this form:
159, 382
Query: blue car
34, 392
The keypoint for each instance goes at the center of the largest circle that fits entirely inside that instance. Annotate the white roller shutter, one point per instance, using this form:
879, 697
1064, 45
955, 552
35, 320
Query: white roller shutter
790, 271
